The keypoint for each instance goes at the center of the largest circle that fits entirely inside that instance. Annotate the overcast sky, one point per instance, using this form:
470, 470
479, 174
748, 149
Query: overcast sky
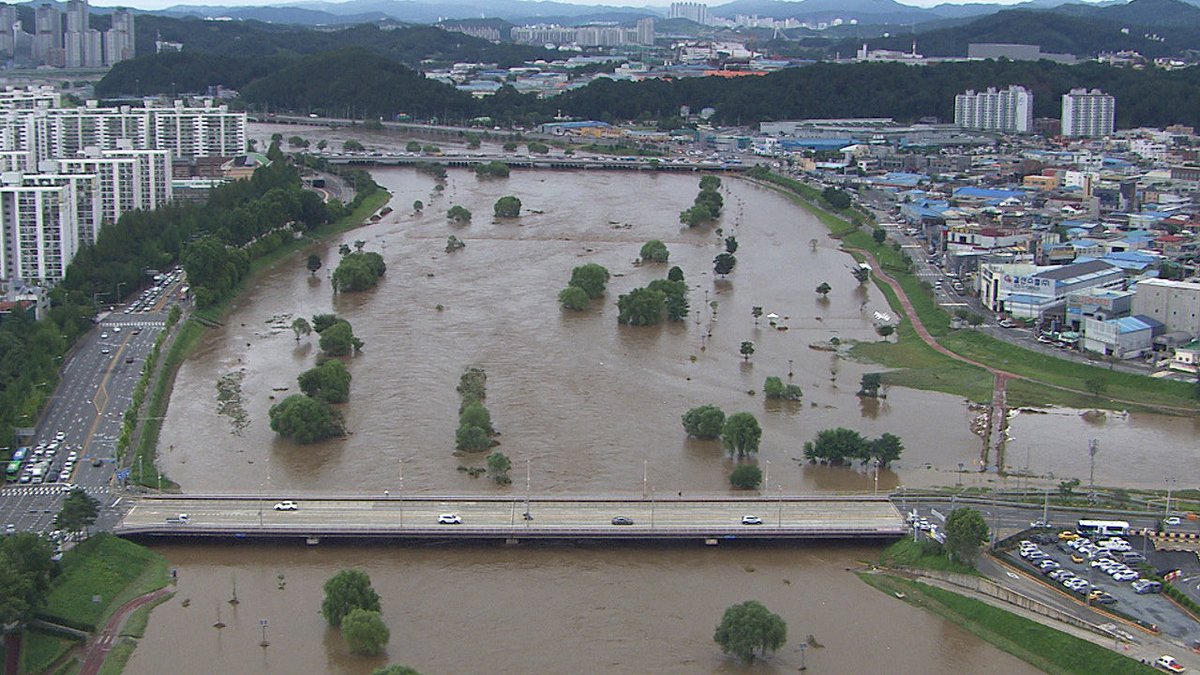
659, 4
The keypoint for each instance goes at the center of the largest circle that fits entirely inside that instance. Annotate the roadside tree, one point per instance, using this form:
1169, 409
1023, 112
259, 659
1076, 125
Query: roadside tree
705, 422
78, 513
966, 531
757, 313
741, 434
750, 627
346, 591
412, 146
365, 632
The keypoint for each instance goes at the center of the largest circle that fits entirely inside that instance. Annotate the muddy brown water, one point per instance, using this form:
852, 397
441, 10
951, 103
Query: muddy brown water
586, 405
545, 610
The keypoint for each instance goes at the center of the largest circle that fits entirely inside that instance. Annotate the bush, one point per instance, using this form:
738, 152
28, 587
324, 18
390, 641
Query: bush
746, 477
365, 632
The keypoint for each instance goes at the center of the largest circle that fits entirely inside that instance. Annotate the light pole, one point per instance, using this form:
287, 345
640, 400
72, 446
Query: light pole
876, 476
780, 486
766, 482
652, 508
401, 492
645, 475
1170, 485
528, 481
1093, 448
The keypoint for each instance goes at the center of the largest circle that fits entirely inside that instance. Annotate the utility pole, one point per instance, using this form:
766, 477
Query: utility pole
1170, 485
528, 477
1093, 448
1046, 508
401, 492
645, 474
766, 482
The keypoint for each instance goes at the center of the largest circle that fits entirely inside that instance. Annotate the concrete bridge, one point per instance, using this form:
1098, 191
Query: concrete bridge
707, 519
547, 162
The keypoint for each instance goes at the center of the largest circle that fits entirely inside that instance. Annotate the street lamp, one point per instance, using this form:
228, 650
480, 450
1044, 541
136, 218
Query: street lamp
652, 508
1170, 486
780, 486
876, 476
401, 492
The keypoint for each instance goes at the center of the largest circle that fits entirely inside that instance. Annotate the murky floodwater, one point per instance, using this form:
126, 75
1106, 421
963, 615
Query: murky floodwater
588, 404
545, 610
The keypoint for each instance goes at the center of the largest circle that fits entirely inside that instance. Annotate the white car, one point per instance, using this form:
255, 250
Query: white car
449, 519
286, 506
1173, 520
751, 520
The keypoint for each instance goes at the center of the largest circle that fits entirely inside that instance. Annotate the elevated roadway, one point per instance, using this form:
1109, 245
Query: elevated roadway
538, 162
715, 519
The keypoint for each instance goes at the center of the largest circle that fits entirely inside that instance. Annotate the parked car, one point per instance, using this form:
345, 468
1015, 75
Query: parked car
1143, 586
1169, 664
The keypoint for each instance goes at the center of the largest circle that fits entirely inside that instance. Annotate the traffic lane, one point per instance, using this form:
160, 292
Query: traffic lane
502, 515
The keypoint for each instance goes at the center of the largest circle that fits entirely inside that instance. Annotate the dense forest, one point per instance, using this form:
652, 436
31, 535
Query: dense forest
372, 86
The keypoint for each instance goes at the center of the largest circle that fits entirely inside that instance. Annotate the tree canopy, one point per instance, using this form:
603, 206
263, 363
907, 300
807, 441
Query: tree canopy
750, 627
365, 632
705, 422
305, 419
741, 434
507, 207
79, 511
339, 339
641, 307
966, 531
358, 271
591, 278
346, 591
574, 297
329, 381
655, 251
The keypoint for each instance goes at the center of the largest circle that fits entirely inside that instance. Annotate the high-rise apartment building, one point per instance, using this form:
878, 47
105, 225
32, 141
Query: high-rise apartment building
1007, 110
119, 39
8, 24
48, 37
645, 31
39, 233
693, 11
1088, 113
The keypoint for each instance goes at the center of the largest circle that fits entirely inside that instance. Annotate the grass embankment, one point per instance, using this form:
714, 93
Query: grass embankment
925, 555
146, 453
1045, 648
1088, 386
112, 569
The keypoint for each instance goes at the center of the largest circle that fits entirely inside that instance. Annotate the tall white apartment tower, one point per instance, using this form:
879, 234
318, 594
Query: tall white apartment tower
1008, 110
38, 229
119, 39
1088, 113
694, 11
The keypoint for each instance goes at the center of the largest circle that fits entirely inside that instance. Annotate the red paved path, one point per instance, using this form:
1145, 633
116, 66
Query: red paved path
101, 644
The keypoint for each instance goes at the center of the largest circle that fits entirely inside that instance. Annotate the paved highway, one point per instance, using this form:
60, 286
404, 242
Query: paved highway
96, 387
788, 517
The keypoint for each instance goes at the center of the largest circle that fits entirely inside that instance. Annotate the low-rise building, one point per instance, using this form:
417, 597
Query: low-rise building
1174, 303
1031, 292
1125, 338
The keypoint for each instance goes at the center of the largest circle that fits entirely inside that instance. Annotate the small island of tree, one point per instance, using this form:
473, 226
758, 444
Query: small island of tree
641, 307
841, 446
750, 627
746, 350
774, 388
305, 419
301, 327
507, 207
590, 278
458, 214
338, 339
498, 465
824, 289
329, 382
313, 264
345, 592
574, 298
453, 244
655, 251
705, 422
724, 263
358, 271
741, 434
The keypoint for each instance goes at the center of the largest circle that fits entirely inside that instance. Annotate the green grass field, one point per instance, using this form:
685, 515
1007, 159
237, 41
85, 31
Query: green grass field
1043, 647
926, 555
111, 568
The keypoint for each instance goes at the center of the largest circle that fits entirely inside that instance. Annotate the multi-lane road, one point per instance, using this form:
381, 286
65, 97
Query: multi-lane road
788, 517
96, 388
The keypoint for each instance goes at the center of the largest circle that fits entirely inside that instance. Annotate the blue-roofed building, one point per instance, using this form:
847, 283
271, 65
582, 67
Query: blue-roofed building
1100, 304
1133, 262
981, 196
1031, 292
793, 144
898, 179
1125, 338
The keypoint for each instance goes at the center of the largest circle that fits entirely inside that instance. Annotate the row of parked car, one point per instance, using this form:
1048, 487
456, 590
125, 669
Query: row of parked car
1055, 571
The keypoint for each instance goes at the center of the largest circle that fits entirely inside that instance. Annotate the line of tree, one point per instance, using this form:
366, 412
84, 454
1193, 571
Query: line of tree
774, 388
588, 282
842, 446
308, 417
337, 335
475, 431
350, 603
707, 205
740, 433
492, 170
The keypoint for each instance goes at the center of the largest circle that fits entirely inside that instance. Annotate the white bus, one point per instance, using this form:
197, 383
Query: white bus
1102, 528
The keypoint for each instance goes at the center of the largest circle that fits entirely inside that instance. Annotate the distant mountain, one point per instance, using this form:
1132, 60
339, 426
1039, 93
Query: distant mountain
284, 15
1155, 13
865, 11
433, 11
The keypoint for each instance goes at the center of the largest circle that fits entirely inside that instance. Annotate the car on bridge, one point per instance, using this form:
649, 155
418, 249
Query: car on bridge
286, 506
622, 520
751, 520
449, 519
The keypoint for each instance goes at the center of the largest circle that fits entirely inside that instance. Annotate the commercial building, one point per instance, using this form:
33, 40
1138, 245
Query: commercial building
1125, 338
1088, 113
1176, 304
1007, 110
1033, 292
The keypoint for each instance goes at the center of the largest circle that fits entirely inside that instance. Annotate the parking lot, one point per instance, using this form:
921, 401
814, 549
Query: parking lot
1108, 575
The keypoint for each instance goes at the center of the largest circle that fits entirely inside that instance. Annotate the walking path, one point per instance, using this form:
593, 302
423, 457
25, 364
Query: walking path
101, 644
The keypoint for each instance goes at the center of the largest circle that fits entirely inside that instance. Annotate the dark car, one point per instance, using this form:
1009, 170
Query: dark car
622, 520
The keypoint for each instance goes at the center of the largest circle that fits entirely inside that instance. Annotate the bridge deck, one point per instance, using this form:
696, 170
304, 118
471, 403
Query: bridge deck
491, 518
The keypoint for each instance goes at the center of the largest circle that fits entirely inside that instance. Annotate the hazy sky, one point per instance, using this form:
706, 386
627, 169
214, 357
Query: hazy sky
662, 4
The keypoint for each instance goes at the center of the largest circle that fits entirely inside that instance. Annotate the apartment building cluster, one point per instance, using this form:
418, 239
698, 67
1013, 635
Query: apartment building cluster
67, 172
1085, 113
586, 36
69, 43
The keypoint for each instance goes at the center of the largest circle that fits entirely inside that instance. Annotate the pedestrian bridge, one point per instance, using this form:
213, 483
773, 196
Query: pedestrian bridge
711, 519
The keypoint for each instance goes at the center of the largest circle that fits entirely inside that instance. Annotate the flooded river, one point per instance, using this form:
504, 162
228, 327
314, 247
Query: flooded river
545, 610
586, 407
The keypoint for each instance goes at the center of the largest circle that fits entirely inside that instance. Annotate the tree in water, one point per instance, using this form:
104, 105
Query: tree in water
313, 264
750, 627
747, 349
